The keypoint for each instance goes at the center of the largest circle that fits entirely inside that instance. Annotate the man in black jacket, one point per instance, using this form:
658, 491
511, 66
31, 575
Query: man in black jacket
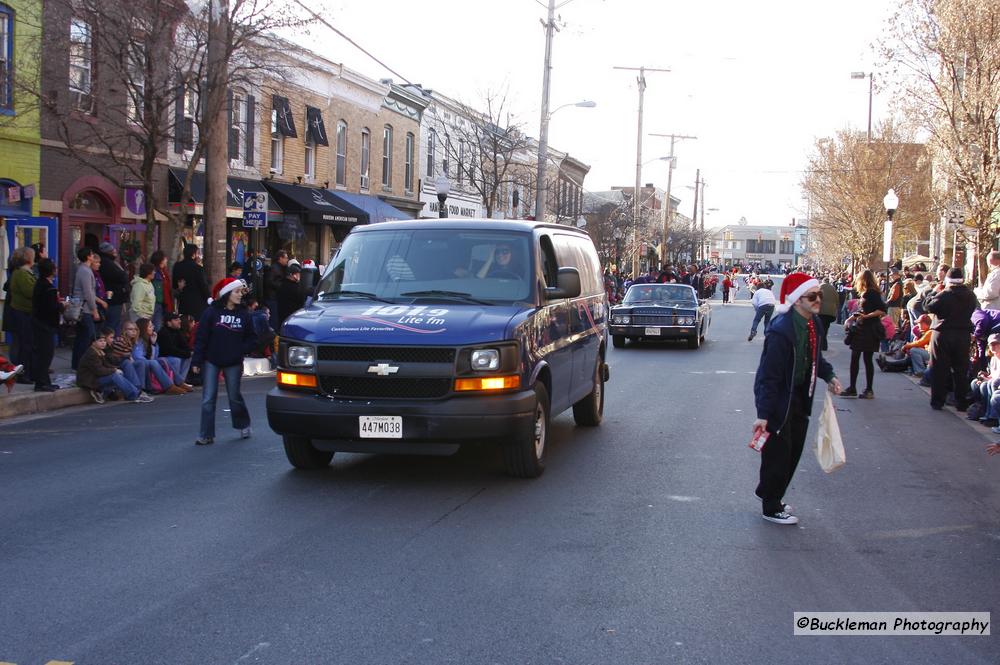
290, 295
116, 281
173, 342
273, 280
950, 337
189, 281
45, 310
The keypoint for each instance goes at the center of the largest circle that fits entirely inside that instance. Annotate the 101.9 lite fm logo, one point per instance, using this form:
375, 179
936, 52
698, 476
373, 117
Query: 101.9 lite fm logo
411, 318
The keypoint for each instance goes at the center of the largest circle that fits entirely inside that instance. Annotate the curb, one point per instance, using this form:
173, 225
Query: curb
26, 404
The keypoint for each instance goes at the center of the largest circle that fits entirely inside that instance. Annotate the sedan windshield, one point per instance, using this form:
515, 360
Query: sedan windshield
661, 293
483, 267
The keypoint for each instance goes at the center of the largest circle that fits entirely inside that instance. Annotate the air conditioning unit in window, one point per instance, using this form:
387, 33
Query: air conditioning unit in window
364, 182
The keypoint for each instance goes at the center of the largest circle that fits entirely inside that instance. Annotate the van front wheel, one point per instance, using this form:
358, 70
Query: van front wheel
303, 455
525, 457
589, 411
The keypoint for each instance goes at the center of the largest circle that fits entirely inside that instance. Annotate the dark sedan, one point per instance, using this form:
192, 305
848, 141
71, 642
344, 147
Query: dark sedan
660, 311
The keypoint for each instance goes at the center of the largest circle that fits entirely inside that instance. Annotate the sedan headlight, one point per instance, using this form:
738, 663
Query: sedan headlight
688, 321
485, 360
301, 356
622, 320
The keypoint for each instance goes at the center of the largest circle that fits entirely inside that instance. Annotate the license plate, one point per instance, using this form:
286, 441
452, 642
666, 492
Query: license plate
380, 427
652, 331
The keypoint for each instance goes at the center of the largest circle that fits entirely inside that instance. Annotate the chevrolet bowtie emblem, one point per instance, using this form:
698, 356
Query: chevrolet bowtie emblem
383, 369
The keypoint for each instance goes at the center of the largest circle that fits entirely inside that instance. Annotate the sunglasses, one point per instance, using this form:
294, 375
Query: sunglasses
813, 297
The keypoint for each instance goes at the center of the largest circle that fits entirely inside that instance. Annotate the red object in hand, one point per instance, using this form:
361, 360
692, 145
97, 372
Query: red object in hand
759, 439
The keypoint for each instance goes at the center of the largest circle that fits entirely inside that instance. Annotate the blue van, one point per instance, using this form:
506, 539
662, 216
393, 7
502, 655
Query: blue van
425, 335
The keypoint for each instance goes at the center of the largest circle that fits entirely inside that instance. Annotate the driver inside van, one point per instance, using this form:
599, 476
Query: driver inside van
500, 263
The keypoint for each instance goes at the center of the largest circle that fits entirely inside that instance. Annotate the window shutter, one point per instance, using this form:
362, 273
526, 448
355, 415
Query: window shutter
179, 119
251, 115
233, 132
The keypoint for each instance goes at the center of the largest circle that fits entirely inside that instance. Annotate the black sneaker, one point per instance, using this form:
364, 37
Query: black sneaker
868, 394
849, 392
781, 517
750, 337
204, 442
989, 422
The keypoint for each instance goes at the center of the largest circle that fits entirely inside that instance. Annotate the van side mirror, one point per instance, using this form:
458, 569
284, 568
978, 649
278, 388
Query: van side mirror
567, 285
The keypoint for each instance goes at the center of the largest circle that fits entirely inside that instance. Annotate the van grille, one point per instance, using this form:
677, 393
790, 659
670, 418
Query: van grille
360, 387
396, 354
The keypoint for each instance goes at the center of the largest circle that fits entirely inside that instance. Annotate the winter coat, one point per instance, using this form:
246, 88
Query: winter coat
193, 299
143, 298
45, 307
290, 300
22, 286
772, 386
867, 335
173, 343
93, 365
115, 280
952, 309
225, 336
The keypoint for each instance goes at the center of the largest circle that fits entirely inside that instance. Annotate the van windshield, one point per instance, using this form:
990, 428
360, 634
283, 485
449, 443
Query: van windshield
490, 267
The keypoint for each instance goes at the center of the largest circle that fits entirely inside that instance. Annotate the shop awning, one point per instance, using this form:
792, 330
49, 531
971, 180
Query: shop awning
234, 192
317, 206
377, 209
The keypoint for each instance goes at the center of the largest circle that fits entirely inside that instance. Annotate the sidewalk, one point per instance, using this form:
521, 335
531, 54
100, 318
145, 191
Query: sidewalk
24, 401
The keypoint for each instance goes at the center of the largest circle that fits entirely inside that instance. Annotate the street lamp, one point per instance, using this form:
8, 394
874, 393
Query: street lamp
543, 154
891, 203
443, 187
870, 76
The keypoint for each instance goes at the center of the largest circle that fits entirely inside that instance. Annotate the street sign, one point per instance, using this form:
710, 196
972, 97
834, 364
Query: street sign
255, 210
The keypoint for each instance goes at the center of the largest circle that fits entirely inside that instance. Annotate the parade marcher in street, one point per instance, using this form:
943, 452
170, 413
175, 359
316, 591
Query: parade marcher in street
866, 333
828, 312
84, 286
115, 282
225, 336
45, 311
727, 284
950, 338
783, 390
190, 283
291, 298
989, 292
763, 305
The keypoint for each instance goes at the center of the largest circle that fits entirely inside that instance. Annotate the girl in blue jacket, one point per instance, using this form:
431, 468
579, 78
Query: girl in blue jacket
225, 336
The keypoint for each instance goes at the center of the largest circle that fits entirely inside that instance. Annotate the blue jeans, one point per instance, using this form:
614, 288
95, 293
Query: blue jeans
153, 367
113, 318
763, 312
918, 359
118, 381
85, 334
181, 367
210, 391
133, 372
157, 316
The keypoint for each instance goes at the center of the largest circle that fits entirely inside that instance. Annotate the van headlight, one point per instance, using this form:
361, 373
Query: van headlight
485, 360
301, 356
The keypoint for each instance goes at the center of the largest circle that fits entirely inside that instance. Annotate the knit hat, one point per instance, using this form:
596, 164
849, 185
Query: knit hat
224, 286
794, 287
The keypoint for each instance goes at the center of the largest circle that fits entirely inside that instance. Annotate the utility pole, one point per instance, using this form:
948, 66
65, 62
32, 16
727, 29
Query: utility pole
543, 132
694, 213
701, 235
638, 164
668, 215
216, 140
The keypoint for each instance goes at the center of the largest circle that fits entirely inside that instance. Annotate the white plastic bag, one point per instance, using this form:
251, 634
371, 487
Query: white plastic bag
829, 445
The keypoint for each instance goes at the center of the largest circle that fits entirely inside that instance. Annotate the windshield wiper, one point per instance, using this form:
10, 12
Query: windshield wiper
435, 293
359, 294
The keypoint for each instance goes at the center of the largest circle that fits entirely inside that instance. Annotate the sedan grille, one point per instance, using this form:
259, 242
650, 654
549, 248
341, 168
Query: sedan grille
360, 387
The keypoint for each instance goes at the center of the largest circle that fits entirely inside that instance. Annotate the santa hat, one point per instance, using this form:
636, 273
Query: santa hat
224, 286
794, 287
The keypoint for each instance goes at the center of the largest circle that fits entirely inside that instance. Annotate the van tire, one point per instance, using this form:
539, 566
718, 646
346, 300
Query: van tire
525, 458
618, 341
589, 411
302, 455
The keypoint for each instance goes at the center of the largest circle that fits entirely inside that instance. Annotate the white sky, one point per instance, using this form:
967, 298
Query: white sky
756, 82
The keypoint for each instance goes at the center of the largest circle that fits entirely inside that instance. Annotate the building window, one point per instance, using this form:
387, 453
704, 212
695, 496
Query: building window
137, 77
342, 153
310, 165
81, 70
515, 201
445, 158
237, 118
431, 145
387, 156
408, 176
461, 161
760, 246
6, 58
787, 247
277, 144
366, 149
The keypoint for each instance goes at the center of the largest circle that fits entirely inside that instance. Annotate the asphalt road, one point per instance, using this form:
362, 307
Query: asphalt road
123, 543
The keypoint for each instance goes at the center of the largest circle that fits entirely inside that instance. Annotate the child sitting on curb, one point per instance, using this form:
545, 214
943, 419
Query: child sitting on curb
98, 374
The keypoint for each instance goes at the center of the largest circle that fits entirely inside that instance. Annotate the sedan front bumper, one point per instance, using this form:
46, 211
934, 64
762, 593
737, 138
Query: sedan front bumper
662, 332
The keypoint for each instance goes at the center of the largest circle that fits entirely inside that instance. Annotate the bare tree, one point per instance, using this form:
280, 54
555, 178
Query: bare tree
150, 59
489, 150
945, 71
846, 181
